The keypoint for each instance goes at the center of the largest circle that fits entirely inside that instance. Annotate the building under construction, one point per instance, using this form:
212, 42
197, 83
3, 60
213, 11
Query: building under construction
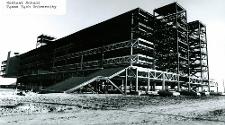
133, 52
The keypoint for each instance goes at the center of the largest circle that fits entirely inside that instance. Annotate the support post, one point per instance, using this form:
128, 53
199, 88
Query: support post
125, 86
166, 87
209, 87
178, 83
154, 85
96, 86
189, 84
131, 86
81, 61
136, 85
217, 88
131, 54
207, 58
163, 82
202, 88
148, 86
131, 37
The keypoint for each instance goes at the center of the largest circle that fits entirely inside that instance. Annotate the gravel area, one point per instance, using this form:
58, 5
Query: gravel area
61, 108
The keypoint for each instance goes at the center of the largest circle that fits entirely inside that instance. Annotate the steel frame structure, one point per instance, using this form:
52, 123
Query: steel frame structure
137, 79
198, 51
132, 58
159, 49
171, 39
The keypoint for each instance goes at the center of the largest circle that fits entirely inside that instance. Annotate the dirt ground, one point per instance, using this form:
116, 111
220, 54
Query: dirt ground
101, 109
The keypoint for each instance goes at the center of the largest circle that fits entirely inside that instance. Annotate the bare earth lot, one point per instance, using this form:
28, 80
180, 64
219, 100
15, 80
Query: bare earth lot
88, 109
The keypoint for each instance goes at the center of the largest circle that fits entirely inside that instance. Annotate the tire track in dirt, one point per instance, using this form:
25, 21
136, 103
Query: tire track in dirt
180, 116
75, 105
174, 115
45, 119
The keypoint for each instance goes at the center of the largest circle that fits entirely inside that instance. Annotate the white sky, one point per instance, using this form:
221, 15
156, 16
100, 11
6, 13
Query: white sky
18, 33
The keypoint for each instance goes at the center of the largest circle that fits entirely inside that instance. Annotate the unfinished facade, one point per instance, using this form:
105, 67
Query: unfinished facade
135, 51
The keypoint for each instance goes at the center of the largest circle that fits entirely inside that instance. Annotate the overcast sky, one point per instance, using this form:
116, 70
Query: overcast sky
19, 33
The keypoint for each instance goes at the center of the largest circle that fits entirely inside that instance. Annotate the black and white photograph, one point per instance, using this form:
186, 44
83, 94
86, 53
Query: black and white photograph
112, 62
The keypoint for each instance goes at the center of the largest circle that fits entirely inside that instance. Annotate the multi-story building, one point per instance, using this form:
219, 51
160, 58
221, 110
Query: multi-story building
130, 52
